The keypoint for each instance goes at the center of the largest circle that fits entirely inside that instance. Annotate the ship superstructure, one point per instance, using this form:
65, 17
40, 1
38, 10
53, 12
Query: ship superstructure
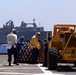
23, 29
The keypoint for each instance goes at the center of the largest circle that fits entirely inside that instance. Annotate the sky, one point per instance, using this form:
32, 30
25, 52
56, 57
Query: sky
47, 13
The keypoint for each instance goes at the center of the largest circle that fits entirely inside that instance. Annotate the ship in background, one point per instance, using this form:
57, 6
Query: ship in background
22, 30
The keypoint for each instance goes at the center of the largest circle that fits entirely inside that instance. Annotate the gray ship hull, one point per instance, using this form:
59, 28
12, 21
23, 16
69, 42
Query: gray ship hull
27, 35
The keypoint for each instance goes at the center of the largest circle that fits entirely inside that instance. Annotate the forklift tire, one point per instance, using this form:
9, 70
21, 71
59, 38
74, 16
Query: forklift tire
75, 63
52, 58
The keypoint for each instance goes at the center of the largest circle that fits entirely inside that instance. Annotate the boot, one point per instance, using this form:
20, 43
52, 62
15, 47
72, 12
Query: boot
9, 63
15, 63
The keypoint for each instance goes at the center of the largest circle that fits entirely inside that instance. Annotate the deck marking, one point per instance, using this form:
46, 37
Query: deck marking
46, 72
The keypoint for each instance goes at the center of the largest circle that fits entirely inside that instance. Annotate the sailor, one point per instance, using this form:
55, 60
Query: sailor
34, 44
11, 46
20, 43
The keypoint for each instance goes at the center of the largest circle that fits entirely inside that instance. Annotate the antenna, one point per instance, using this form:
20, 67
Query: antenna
39, 24
34, 20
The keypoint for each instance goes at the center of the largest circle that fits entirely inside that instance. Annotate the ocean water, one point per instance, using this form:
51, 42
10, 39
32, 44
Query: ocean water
3, 48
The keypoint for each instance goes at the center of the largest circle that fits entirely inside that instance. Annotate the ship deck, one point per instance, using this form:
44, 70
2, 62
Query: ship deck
21, 69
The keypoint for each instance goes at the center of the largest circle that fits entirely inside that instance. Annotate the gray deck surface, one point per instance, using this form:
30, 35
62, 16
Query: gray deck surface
21, 69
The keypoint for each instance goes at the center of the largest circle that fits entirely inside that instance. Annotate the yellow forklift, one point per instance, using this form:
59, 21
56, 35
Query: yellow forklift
61, 45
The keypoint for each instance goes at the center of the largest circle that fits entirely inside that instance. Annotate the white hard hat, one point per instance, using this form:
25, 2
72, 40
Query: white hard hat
13, 30
38, 33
